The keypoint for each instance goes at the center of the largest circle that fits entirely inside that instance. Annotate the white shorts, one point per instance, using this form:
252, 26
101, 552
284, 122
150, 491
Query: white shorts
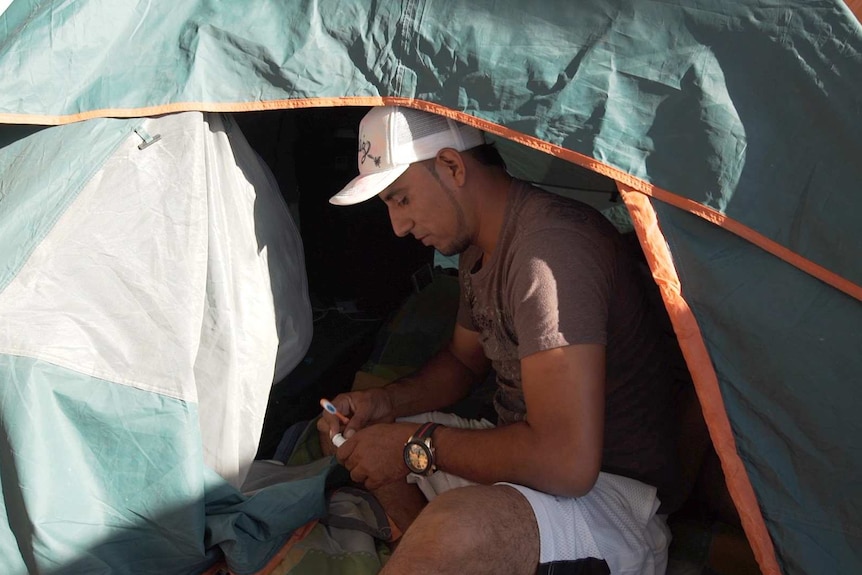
615, 522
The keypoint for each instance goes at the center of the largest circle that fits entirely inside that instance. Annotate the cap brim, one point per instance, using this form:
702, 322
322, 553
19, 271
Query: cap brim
364, 187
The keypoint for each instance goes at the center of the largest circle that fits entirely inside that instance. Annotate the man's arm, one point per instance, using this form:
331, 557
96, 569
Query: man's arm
558, 449
445, 379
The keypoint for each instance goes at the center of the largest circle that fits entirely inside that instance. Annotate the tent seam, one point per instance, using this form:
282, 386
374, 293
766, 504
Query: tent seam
98, 374
52, 222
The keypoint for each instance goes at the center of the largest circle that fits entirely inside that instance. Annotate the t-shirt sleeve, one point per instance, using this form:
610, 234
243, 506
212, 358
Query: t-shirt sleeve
560, 287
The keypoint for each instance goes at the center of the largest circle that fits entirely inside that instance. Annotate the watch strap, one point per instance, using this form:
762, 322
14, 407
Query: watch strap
425, 431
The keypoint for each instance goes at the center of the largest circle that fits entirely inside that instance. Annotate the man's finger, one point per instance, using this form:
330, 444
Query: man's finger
328, 423
358, 476
343, 453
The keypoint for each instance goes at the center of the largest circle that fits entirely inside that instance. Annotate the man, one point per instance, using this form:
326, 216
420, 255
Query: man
568, 476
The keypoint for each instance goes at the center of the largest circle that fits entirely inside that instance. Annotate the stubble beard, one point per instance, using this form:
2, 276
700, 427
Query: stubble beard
462, 238
455, 248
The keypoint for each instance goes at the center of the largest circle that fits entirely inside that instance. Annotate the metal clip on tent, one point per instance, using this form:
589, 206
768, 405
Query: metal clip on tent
148, 140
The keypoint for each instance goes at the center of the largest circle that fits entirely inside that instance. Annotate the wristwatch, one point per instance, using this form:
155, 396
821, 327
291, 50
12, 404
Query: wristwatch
418, 451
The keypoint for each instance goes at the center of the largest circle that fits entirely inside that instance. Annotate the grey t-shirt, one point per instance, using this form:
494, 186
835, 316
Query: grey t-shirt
560, 275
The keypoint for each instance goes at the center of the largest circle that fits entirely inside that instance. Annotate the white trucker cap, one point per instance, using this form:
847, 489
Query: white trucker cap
391, 138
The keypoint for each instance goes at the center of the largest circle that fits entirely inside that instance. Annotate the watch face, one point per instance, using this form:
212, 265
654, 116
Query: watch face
416, 457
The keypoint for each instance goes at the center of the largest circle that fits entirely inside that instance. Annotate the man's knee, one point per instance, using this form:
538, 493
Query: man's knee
480, 523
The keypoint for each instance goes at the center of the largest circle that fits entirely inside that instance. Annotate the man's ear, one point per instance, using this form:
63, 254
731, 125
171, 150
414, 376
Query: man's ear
450, 164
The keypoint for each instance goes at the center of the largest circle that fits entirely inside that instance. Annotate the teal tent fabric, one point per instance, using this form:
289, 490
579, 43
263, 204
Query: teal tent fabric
622, 82
121, 461
114, 478
752, 109
782, 349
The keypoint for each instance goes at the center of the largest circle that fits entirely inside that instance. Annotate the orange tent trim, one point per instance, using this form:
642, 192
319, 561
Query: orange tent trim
855, 7
619, 176
703, 375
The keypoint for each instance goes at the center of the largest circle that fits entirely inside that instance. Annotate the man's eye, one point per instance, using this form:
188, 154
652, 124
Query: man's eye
402, 201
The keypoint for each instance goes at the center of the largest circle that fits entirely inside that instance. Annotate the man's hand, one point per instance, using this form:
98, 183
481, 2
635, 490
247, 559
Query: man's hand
374, 455
363, 408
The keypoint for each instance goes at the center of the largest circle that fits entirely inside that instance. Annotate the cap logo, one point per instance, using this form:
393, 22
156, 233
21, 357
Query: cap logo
365, 151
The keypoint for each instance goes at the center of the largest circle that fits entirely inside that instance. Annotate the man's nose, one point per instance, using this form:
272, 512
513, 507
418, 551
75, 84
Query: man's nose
401, 224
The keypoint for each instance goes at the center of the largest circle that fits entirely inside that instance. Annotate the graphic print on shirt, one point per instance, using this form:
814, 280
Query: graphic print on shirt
498, 340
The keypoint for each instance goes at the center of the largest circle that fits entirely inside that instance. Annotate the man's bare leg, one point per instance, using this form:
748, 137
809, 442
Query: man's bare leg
401, 501
476, 529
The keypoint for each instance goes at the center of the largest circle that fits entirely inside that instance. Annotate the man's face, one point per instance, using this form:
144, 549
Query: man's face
422, 204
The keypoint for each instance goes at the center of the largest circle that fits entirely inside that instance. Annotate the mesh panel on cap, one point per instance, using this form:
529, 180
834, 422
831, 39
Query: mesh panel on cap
411, 125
